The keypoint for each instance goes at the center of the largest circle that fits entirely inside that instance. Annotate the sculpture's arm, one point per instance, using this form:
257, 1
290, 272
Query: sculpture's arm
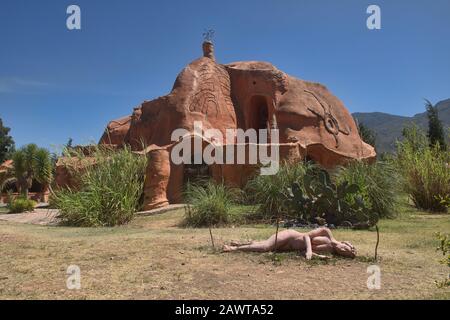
308, 245
320, 256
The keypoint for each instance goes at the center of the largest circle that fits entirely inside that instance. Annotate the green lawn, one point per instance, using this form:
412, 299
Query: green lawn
154, 258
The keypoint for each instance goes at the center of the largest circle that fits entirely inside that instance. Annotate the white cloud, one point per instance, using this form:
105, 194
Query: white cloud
20, 85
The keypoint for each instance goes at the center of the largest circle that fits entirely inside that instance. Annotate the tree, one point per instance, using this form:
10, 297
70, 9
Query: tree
367, 135
31, 162
435, 129
414, 139
6, 143
43, 169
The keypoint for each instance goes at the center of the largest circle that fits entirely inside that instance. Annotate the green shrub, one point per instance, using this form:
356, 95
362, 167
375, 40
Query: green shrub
444, 248
20, 205
445, 201
318, 197
375, 195
209, 204
378, 184
110, 190
425, 169
267, 191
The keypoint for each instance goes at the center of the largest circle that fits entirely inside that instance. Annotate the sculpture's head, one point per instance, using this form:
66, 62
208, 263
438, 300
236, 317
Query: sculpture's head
345, 249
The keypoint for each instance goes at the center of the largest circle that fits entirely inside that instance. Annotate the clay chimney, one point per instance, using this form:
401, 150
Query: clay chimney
208, 50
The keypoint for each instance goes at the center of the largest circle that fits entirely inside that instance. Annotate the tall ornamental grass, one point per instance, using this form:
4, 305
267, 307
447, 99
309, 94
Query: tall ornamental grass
268, 191
427, 178
378, 184
425, 170
110, 189
210, 204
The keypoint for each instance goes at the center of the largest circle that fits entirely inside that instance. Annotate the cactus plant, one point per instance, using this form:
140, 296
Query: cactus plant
319, 197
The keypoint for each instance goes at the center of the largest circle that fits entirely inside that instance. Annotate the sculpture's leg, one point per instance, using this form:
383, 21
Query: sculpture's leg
261, 246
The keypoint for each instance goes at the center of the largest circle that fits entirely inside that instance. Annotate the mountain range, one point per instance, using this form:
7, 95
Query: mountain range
388, 128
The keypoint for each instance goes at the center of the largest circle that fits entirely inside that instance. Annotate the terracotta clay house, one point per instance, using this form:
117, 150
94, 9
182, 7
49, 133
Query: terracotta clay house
312, 123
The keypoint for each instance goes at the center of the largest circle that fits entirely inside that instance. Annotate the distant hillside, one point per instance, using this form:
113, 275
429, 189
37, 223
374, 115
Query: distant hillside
388, 127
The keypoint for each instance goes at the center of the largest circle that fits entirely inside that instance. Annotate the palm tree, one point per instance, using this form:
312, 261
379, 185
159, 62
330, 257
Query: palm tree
32, 163
4, 179
43, 168
20, 171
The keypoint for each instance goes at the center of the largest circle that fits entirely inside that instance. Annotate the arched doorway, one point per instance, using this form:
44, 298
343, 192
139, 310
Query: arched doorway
258, 113
196, 173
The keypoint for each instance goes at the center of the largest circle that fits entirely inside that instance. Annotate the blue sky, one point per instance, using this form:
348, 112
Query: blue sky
56, 83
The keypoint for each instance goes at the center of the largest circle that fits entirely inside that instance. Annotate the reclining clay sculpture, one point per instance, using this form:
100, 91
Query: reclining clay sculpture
313, 243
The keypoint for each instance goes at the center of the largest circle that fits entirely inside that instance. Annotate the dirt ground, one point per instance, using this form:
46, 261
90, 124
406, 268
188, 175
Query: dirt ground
153, 258
38, 216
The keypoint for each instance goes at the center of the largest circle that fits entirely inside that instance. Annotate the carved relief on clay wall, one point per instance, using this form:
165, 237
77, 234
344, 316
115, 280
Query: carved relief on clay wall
212, 96
329, 120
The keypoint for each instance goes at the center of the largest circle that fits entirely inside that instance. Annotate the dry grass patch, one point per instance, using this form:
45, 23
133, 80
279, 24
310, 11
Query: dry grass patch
153, 258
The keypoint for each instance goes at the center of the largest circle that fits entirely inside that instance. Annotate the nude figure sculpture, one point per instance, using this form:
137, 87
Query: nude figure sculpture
312, 243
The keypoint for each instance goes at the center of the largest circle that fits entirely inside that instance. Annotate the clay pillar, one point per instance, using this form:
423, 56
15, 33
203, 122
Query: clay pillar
208, 50
157, 179
175, 188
